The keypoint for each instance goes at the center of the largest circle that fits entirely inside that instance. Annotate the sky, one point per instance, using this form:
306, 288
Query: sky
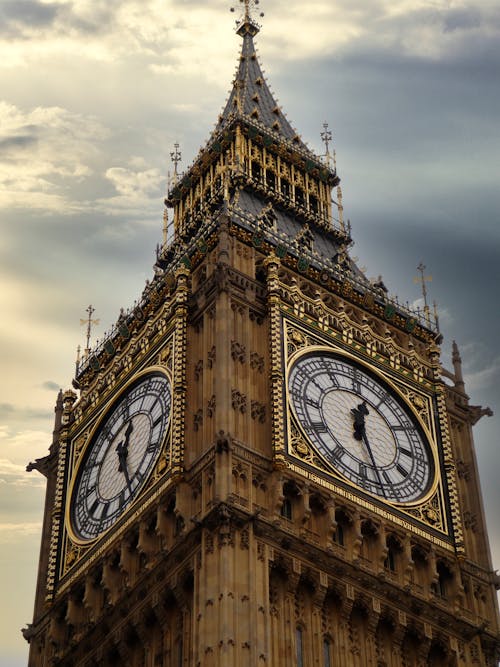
94, 95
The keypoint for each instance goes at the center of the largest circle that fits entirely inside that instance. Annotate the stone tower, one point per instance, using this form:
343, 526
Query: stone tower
265, 463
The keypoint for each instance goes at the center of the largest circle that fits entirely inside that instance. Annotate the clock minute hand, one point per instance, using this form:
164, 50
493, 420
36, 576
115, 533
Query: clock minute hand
359, 433
122, 451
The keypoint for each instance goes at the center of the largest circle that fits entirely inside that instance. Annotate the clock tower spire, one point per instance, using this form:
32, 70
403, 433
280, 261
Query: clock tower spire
266, 463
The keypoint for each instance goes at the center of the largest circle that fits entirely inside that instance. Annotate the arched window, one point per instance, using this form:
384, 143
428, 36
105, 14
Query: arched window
285, 188
180, 657
299, 646
394, 549
286, 509
339, 534
327, 652
442, 586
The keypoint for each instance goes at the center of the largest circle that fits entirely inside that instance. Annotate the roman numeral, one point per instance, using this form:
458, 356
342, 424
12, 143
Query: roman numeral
355, 382
151, 447
338, 452
95, 505
318, 427
402, 471
406, 452
157, 421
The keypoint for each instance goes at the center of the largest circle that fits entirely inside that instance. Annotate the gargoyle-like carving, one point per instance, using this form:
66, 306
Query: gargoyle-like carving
476, 412
258, 411
198, 370
238, 401
257, 362
238, 352
222, 442
211, 406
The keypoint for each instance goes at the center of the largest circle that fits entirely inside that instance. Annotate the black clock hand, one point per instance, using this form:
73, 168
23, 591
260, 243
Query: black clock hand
367, 445
359, 425
122, 451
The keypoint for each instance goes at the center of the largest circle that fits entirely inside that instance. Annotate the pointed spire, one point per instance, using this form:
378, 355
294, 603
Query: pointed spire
251, 95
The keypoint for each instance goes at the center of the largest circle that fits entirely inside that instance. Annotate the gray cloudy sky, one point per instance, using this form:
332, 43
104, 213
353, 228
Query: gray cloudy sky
93, 95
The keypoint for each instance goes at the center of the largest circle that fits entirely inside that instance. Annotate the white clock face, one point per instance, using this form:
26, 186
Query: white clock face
360, 428
121, 455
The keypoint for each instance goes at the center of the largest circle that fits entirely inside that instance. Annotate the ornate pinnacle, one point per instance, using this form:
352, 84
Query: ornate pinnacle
326, 136
176, 156
247, 24
422, 279
89, 322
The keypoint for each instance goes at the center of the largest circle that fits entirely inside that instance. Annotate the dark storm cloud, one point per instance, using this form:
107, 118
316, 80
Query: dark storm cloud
51, 386
462, 19
15, 15
6, 410
19, 141
18, 18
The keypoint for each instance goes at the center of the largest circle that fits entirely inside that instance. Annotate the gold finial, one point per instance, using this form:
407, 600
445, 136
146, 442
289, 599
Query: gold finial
89, 322
247, 24
340, 208
422, 279
239, 84
326, 136
176, 156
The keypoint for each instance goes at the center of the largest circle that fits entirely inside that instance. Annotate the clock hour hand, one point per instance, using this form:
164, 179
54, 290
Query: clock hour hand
359, 433
122, 451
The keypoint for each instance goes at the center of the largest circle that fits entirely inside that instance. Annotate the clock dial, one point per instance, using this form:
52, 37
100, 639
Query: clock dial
121, 455
360, 427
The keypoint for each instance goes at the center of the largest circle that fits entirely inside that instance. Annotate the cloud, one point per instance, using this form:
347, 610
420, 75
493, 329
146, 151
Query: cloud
13, 532
51, 386
61, 145
138, 190
19, 15
465, 18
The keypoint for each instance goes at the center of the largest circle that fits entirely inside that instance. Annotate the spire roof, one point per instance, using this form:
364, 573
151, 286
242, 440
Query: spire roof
251, 95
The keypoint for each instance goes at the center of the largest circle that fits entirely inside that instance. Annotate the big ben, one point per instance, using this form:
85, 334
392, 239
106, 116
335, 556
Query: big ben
262, 464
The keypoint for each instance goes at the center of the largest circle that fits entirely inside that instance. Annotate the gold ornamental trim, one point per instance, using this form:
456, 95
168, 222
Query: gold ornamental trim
430, 509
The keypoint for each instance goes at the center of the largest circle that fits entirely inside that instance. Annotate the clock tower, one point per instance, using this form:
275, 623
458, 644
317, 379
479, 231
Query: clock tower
265, 462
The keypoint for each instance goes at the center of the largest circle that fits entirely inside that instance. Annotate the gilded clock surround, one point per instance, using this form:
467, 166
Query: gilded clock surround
430, 510
300, 439
81, 453
165, 330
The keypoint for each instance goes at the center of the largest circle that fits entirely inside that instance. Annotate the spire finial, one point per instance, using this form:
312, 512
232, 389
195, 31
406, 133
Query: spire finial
89, 322
422, 279
176, 156
326, 136
247, 24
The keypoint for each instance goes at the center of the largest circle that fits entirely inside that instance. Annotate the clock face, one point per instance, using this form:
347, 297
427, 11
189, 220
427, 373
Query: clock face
357, 424
121, 455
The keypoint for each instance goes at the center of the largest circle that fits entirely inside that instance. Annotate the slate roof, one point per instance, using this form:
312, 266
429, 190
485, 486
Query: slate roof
251, 95
324, 247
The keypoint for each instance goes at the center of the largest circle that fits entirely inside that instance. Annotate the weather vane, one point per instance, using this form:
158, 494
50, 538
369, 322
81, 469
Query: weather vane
326, 136
176, 156
89, 322
422, 279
